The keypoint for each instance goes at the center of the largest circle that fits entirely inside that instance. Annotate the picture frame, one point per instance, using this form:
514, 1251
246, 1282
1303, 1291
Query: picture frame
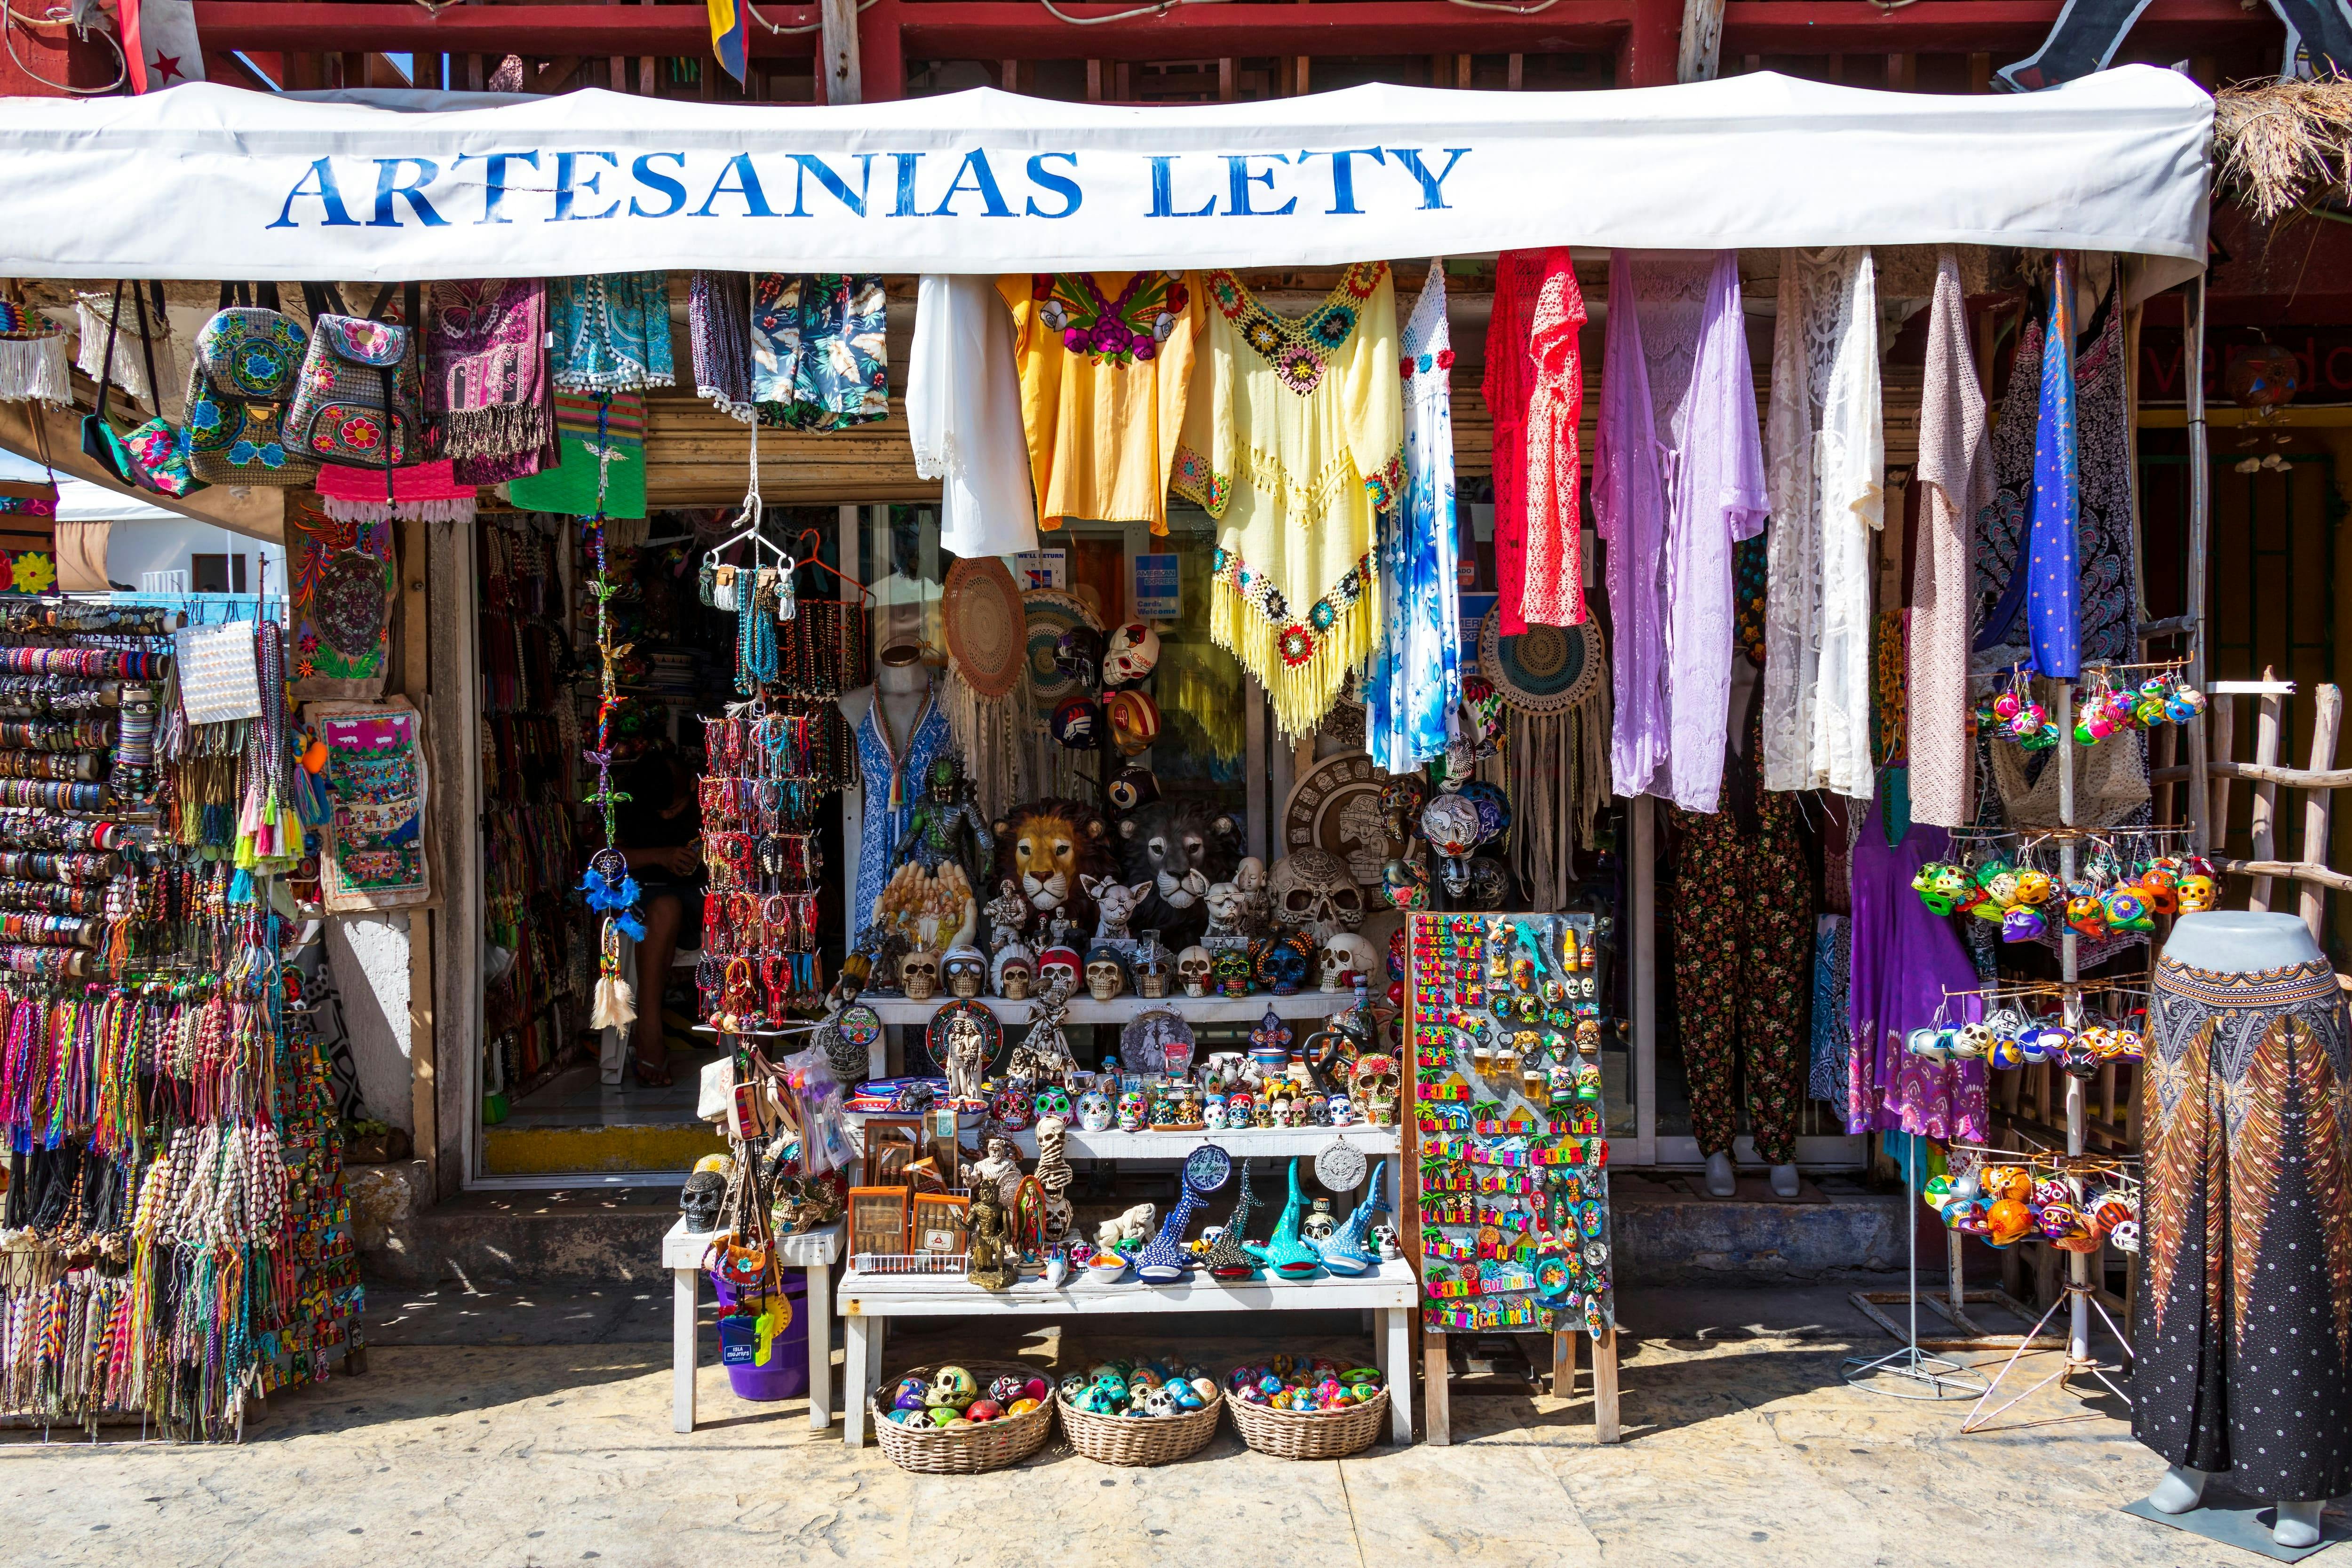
877, 1221
941, 1224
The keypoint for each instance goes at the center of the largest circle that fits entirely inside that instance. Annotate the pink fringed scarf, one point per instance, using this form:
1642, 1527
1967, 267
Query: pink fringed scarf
488, 398
427, 492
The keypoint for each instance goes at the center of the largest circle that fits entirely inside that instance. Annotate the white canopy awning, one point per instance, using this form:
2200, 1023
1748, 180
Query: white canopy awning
210, 182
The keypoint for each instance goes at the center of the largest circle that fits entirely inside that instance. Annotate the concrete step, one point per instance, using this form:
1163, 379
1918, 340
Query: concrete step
586, 1235
1667, 1231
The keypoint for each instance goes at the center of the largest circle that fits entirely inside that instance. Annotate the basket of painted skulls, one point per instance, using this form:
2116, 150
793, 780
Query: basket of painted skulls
1139, 1413
962, 1420
1297, 1409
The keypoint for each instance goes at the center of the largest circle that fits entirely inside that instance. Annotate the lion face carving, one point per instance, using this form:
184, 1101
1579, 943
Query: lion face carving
1045, 847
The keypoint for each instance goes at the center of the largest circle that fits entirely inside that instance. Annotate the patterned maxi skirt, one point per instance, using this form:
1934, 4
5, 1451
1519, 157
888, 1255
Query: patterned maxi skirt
2243, 1329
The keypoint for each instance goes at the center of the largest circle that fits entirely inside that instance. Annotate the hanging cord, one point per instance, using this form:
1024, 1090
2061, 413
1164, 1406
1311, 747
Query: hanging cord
121, 62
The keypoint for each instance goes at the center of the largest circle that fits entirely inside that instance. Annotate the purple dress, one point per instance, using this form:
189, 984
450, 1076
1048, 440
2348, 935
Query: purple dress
1678, 476
1906, 957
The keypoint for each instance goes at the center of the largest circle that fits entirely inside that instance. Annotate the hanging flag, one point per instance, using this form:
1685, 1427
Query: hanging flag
730, 37
159, 43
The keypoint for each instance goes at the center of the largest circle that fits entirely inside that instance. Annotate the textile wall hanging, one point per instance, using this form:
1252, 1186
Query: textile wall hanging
373, 853
603, 466
610, 331
33, 364
425, 493
342, 611
1554, 682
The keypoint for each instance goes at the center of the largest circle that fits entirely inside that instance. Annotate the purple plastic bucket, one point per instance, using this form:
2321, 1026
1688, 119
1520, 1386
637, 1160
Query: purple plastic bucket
785, 1374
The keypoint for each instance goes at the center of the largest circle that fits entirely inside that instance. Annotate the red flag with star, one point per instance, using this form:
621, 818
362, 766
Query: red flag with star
158, 40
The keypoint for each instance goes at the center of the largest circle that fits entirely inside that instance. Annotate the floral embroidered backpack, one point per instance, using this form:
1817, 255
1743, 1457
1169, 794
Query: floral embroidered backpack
358, 404
244, 369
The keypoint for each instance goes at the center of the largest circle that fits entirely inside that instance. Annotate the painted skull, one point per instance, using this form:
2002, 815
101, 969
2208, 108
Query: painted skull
1059, 963
1094, 1111
1106, 974
1240, 1108
2197, 893
1053, 1100
1153, 974
1133, 1111
1193, 971
1373, 1087
1017, 968
1314, 890
1384, 1237
919, 976
1232, 971
1343, 1111
1285, 1111
965, 971
1010, 1108
1213, 1113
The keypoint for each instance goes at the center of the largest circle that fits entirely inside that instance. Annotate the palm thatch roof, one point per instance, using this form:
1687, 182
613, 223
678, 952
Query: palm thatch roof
2284, 146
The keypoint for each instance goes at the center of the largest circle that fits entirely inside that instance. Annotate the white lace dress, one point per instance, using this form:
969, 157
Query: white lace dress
1825, 443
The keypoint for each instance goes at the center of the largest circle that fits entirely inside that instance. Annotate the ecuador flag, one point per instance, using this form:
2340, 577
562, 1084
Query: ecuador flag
730, 36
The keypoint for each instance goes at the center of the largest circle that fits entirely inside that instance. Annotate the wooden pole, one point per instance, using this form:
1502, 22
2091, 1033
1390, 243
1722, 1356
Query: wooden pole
2207, 827
837, 61
2264, 812
2327, 704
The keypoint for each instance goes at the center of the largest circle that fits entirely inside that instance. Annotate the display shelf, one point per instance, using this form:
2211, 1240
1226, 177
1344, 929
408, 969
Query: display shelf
867, 1300
1252, 1142
1085, 1009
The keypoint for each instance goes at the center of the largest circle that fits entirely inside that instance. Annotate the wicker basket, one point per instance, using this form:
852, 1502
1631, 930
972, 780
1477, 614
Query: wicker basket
1311, 1434
1140, 1440
963, 1450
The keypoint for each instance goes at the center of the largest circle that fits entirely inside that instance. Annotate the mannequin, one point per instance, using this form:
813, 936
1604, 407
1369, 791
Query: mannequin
894, 719
2219, 1374
1743, 950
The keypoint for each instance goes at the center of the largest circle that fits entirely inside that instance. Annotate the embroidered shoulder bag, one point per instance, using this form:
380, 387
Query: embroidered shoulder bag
247, 361
357, 405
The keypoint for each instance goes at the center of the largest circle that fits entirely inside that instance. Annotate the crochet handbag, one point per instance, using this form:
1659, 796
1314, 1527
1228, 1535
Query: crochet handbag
247, 359
157, 453
358, 404
99, 442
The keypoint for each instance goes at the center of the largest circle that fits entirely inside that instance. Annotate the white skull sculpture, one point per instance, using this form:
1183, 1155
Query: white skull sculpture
965, 971
1342, 1112
1016, 968
1213, 1113
1314, 890
919, 976
1106, 976
1193, 971
1343, 955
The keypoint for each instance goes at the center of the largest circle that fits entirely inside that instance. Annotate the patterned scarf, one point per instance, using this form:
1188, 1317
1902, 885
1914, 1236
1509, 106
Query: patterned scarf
2045, 584
487, 393
612, 331
718, 321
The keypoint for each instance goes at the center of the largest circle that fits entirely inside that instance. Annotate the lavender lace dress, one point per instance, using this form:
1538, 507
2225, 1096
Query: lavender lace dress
1905, 959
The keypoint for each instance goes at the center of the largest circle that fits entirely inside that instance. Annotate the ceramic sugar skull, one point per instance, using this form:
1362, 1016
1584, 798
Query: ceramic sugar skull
1241, 1108
1343, 1111
1193, 968
1106, 974
964, 971
1134, 1111
1094, 1111
919, 976
2196, 891
1233, 971
1012, 1108
1213, 1113
1053, 1100
1373, 1086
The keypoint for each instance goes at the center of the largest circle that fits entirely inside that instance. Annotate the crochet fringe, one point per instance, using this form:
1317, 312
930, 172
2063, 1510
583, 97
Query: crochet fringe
451, 509
495, 432
987, 731
1555, 767
35, 369
1304, 692
92, 312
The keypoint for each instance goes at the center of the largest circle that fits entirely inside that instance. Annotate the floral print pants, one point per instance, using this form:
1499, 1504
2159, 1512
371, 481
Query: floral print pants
1743, 931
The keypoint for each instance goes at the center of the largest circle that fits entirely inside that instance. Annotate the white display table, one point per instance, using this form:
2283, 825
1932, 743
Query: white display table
868, 1299
814, 1251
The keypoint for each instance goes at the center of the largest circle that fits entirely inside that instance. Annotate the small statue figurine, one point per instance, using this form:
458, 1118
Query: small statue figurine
988, 1257
999, 1171
1008, 917
1257, 901
1045, 1056
947, 825
967, 1049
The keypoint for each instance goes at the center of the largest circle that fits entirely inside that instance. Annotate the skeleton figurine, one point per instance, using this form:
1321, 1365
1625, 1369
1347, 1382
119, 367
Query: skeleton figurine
967, 1053
1045, 1056
1054, 1174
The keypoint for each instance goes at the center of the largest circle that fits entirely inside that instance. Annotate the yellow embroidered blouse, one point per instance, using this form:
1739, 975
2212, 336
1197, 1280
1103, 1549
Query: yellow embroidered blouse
1294, 441
1105, 360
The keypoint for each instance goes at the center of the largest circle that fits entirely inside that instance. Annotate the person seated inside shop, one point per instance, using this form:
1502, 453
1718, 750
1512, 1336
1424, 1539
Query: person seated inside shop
660, 826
